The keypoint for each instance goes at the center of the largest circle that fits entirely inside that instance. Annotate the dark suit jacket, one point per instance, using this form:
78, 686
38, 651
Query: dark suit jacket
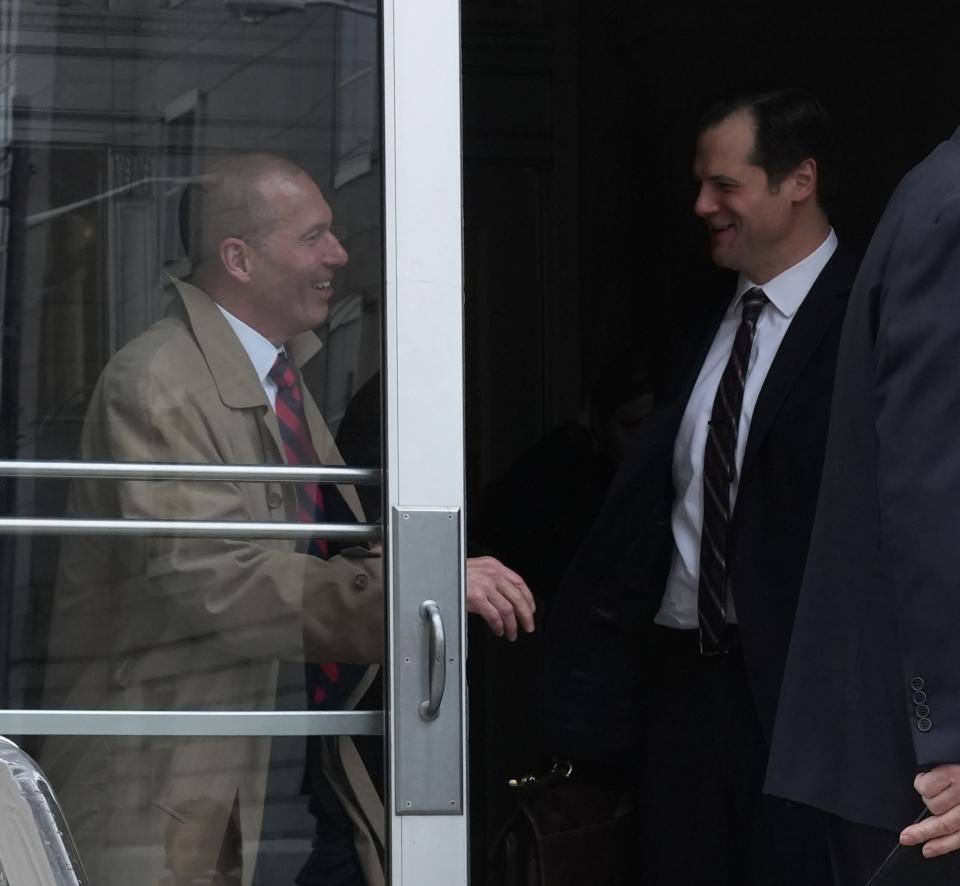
592, 686
872, 688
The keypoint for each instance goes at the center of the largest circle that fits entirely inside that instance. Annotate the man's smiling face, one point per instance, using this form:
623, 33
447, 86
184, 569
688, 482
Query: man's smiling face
295, 258
750, 221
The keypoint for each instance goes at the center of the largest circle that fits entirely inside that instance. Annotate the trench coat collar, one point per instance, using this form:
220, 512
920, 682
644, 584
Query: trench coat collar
236, 382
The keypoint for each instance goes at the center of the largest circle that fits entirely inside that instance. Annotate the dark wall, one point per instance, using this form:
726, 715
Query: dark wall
646, 70
579, 126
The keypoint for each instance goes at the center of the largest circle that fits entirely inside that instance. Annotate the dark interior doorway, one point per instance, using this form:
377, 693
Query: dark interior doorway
581, 243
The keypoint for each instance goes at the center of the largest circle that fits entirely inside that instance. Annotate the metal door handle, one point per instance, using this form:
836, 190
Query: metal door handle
436, 660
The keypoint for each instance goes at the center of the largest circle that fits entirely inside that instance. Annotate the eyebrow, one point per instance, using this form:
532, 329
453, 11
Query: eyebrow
315, 228
722, 179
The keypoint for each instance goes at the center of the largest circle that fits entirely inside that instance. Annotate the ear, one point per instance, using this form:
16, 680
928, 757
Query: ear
236, 259
804, 179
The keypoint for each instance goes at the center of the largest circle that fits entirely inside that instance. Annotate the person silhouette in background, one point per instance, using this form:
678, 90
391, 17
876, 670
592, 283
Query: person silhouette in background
666, 641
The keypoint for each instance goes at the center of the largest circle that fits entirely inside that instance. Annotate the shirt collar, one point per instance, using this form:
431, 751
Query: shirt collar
261, 351
788, 289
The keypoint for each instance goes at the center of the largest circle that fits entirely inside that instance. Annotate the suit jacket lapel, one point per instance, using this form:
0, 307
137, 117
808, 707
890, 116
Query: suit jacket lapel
826, 298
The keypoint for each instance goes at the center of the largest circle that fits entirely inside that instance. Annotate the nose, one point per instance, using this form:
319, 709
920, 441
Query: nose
336, 255
705, 204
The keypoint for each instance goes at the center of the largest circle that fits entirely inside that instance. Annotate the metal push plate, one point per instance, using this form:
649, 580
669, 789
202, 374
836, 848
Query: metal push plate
425, 557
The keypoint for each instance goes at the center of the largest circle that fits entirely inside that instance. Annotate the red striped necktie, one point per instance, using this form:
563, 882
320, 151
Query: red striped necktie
327, 687
297, 445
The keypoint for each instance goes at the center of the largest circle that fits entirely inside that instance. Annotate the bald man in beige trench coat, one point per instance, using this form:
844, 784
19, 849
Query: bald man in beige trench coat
181, 624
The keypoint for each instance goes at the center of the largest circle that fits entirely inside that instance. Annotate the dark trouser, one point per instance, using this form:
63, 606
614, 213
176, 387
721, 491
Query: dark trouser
333, 858
857, 850
706, 821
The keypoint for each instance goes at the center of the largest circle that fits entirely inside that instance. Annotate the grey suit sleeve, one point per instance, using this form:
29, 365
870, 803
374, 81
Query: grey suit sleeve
918, 432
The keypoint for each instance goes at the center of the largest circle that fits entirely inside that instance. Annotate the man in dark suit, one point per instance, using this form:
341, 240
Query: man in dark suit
871, 694
642, 679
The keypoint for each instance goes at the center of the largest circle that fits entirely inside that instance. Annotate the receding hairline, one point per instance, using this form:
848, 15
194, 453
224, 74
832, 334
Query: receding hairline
228, 199
748, 115
241, 181
252, 167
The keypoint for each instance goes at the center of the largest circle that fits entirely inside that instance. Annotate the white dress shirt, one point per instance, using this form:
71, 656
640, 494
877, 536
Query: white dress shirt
261, 351
786, 293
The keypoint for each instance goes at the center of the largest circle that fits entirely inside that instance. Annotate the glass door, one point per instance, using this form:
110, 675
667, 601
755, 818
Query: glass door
231, 435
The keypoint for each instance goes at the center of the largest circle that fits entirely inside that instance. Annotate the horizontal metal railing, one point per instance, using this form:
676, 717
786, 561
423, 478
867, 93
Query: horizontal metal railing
189, 528
35, 842
275, 723
195, 723
103, 470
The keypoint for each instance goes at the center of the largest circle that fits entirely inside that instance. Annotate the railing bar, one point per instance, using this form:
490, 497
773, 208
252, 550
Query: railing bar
149, 471
189, 528
205, 723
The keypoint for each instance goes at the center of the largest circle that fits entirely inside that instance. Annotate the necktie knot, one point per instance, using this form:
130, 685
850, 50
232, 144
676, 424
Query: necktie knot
282, 374
753, 301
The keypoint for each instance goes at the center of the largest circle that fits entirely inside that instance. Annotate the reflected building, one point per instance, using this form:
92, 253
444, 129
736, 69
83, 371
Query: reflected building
106, 110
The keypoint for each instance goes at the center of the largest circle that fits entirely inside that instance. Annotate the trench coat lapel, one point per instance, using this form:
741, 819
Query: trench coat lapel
239, 387
233, 374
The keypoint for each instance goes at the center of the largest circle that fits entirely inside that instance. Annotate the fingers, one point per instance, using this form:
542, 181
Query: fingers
940, 833
487, 611
521, 603
500, 596
501, 604
939, 788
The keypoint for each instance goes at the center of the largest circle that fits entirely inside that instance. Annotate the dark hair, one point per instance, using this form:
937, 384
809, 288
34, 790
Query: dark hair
791, 126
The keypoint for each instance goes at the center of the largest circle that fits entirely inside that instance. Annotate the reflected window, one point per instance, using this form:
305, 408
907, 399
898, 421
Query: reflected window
192, 275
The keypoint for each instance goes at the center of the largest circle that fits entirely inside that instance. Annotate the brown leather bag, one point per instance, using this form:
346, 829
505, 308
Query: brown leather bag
567, 830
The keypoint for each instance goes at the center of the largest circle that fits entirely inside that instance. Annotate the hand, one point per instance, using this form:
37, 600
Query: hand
500, 596
940, 832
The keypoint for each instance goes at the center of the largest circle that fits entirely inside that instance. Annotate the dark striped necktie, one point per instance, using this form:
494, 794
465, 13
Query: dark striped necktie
719, 473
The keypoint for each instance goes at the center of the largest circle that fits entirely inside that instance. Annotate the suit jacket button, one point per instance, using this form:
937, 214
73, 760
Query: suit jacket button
274, 499
917, 684
919, 697
924, 724
923, 710
360, 581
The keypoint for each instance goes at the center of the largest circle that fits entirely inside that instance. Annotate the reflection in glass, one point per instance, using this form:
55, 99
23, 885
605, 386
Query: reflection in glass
136, 322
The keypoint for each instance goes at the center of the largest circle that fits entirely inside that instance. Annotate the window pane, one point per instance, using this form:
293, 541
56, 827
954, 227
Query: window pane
190, 188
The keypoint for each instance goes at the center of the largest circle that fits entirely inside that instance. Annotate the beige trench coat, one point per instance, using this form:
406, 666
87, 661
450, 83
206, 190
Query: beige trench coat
195, 624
